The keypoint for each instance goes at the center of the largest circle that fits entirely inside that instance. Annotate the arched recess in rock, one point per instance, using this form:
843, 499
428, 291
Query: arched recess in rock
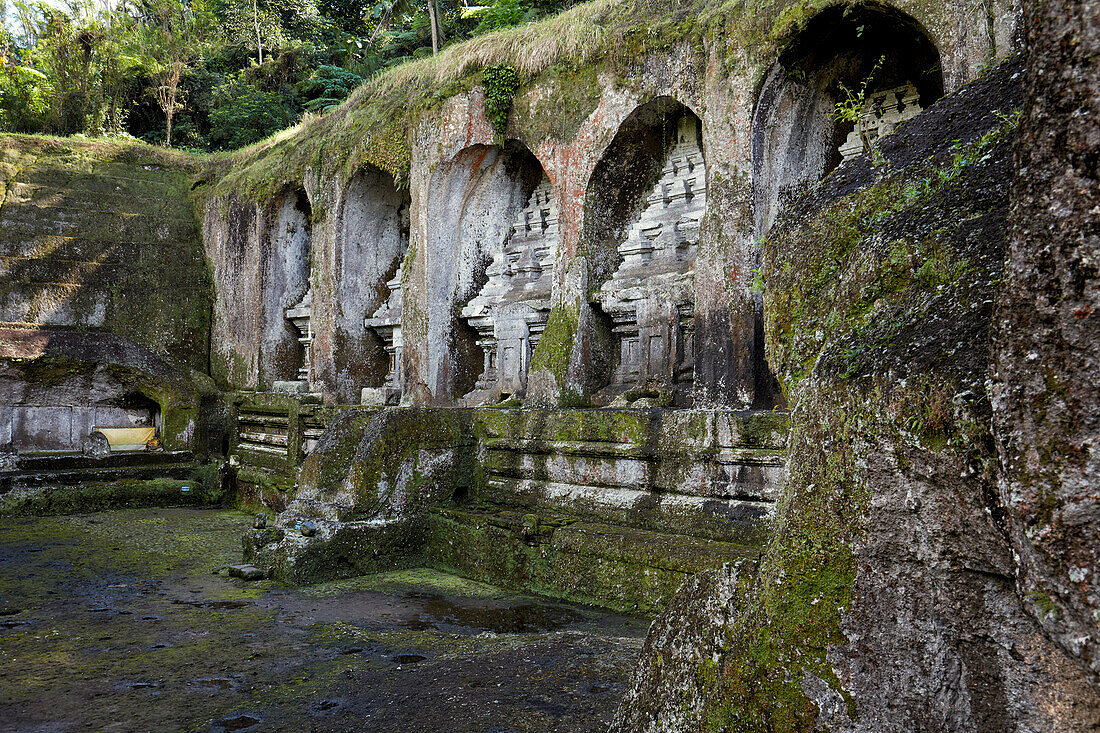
371, 236
795, 139
472, 203
643, 210
511, 310
284, 346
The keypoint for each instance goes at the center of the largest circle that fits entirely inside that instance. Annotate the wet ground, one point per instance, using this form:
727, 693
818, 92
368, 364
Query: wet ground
125, 621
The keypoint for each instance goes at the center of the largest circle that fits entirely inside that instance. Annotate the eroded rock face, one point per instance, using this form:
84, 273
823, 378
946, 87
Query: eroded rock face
260, 258
1047, 344
886, 599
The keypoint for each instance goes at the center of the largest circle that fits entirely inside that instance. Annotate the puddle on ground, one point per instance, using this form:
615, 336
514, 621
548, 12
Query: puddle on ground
143, 633
521, 618
407, 658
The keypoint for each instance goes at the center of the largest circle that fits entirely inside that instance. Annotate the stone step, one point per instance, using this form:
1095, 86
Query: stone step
749, 473
98, 175
70, 248
100, 251
88, 496
728, 520
161, 201
629, 570
76, 476
55, 462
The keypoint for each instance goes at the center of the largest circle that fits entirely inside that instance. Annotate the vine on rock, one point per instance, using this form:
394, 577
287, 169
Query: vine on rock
501, 83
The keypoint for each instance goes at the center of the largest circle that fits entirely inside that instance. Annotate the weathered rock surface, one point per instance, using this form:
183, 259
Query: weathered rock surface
886, 599
1047, 341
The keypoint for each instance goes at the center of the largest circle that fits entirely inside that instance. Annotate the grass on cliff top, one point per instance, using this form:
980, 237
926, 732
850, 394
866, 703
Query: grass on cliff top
116, 149
373, 126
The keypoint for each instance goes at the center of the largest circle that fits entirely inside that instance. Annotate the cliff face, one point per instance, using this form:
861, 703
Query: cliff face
887, 597
103, 236
104, 293
1046, 346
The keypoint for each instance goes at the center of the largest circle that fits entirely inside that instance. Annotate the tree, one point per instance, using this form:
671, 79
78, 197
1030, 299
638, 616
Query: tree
168, 37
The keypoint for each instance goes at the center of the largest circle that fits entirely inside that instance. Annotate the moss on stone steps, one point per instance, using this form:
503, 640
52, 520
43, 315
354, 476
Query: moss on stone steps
202, 490
629, 571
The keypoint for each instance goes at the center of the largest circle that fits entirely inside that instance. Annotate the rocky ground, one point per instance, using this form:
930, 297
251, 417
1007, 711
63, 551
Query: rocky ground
126, 621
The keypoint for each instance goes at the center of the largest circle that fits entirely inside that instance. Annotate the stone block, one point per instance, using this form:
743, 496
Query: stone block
246, 572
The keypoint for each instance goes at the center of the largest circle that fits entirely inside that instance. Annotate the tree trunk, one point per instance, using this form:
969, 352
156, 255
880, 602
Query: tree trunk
259, 40
433, 14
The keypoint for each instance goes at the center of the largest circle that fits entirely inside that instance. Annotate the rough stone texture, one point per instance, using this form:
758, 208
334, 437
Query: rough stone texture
886, 598
1047, 344
687, 638
365, 487
358, 245
103, 236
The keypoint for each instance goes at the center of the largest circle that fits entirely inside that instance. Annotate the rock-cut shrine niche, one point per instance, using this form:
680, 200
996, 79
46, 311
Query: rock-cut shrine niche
370, 240
385, 323
651, 235
287, 282
510, 311
803, 124
472, 203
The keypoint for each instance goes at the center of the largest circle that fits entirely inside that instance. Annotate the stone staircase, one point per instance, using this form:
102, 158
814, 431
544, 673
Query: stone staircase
67, 483
274, 433
613, 507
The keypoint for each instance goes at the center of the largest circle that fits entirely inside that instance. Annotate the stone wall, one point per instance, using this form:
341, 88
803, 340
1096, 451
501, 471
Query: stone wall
461, 216
611, 507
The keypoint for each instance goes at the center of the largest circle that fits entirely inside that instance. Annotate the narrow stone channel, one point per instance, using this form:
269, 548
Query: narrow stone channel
127, 621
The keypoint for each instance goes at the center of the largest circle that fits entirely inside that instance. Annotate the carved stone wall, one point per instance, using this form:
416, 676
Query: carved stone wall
510, 311
650, 296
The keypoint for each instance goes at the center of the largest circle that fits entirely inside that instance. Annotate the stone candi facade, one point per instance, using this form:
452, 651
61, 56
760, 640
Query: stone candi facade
687, 241
650, 297
510, 312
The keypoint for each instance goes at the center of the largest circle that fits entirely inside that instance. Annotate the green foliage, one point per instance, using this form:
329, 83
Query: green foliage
247, 115
327, 86
850, 109
501, 83
501, 14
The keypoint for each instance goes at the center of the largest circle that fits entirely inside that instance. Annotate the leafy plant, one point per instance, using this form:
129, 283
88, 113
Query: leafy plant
850, 108
501, 14
501, 83
327, 86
